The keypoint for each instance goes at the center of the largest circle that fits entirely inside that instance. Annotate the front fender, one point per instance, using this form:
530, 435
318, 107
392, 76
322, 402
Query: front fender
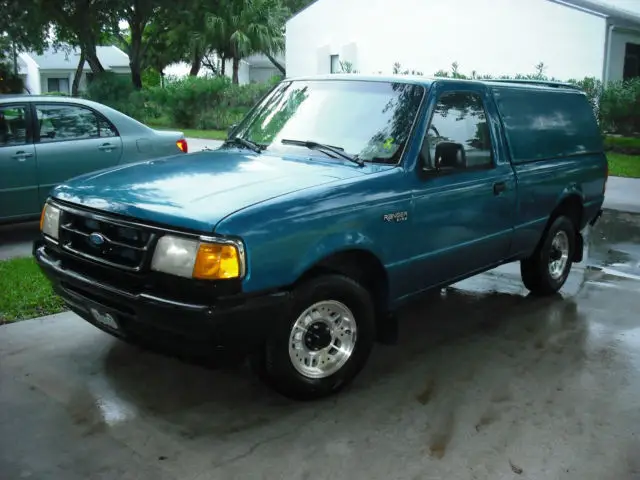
333, 244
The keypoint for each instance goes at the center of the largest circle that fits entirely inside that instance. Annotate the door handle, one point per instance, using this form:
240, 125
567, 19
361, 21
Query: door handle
21, 156
499, 187
106, 147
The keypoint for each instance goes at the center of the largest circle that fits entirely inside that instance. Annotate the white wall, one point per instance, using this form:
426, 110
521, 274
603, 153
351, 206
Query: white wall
488, 36
33, 75
262, 74
619, 39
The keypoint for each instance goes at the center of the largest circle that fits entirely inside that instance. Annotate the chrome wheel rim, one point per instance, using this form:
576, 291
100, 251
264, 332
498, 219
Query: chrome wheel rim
559, 256
322, 339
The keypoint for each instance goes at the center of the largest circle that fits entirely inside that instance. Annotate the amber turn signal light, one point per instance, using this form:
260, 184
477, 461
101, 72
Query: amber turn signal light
216, 261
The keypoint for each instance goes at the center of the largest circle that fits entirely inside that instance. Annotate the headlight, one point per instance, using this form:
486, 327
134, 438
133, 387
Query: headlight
50, 220
207, 260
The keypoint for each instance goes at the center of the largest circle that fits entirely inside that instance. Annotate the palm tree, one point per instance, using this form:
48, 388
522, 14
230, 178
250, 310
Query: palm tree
244, 27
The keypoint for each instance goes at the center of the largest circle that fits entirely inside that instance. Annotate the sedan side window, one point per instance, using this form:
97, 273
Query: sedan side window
458, 137
13, 125
71, 122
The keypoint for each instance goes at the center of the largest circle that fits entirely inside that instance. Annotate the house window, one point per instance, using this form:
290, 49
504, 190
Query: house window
58, 85
631, 61
335, 63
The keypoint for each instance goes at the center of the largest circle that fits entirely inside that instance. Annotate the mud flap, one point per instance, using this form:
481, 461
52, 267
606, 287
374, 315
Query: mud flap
596, 218
579, 250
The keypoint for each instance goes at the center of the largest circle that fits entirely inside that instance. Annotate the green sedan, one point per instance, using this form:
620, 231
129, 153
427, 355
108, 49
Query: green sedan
46, 140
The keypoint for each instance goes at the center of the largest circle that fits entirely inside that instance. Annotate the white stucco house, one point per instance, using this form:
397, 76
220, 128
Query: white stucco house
255, 68
573, 38
54, 70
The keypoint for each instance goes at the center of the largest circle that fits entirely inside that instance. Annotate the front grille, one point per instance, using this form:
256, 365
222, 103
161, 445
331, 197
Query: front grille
119, 244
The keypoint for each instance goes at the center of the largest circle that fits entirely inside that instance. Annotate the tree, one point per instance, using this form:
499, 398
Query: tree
81, 23
22, 27
148, 21
244, 27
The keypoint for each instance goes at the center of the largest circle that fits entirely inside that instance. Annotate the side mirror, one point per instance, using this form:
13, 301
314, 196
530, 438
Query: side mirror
231, 129
450, 156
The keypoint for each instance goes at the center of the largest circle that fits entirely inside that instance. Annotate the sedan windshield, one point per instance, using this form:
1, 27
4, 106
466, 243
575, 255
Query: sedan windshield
369, 121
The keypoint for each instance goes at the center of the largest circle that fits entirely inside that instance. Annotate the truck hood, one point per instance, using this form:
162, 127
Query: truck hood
197, 190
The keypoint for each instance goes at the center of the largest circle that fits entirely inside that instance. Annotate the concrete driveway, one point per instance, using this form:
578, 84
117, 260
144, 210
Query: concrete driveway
485, 383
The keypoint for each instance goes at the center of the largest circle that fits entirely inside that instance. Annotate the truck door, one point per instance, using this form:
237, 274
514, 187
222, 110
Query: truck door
465, 200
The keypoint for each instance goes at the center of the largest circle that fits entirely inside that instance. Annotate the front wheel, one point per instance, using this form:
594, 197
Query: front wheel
546, 271
323, 342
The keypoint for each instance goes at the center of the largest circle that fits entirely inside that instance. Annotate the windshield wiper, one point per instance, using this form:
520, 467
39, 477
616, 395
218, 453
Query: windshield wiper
244, 143
324, 148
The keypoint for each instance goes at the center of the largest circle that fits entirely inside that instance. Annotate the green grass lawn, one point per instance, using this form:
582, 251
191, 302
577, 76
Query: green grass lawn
621, 165
25, 292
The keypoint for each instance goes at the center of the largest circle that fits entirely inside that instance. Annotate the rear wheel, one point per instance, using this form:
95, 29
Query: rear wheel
323, 342
546, 271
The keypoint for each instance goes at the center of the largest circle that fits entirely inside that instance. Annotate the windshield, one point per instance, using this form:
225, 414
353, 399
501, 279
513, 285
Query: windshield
370, 120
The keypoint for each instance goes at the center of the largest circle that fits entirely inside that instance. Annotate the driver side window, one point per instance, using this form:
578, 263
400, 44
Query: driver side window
458, 137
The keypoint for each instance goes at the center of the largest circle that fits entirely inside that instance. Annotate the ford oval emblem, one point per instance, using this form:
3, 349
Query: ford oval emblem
97, 239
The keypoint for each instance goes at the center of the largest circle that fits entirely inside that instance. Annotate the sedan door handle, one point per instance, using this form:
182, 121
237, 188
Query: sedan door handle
499, 187
21, 156
106, 147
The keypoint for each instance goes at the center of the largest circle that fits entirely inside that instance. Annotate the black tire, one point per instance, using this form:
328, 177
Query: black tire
535, 269
273, 363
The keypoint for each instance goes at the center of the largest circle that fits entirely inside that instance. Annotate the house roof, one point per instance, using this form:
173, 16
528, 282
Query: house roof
66, 58
607, 8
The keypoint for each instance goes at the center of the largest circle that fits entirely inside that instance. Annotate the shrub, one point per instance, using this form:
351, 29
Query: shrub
10, 83
117, 91
185, 100
211, 102
620, 107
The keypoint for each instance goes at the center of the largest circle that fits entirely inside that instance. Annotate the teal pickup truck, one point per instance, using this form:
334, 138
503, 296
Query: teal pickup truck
337, 199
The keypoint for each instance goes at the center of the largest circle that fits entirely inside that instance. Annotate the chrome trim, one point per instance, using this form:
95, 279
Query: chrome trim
102, 260
155, 231
112, 242
50, 239
55, 265
229, 241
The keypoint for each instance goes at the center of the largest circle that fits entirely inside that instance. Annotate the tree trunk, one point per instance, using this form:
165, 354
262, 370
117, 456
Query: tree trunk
236, 67
223, 65
78, 74
276, 64
90, 52
135, 54
196, 62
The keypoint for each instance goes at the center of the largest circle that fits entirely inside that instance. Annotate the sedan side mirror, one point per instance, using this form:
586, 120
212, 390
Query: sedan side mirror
231, 129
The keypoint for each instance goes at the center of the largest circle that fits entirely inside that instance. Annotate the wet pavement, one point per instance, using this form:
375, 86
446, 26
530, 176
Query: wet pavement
485, 383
